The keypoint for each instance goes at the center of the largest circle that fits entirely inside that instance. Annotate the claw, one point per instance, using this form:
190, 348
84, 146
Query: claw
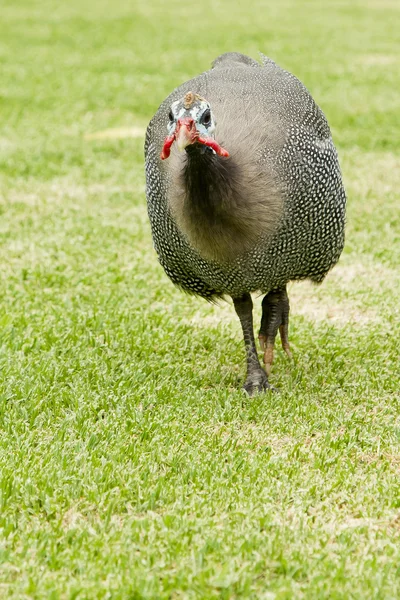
257, 382
269, 356
284, 333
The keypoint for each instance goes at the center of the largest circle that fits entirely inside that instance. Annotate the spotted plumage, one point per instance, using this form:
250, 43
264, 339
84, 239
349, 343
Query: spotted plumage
271, 212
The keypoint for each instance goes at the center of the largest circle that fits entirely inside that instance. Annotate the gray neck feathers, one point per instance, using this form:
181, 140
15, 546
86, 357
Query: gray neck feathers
223, 205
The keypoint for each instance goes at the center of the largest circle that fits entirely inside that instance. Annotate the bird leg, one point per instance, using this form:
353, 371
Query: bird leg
256, 380
275, 315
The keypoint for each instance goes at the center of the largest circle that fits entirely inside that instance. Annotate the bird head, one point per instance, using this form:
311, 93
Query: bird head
190, 121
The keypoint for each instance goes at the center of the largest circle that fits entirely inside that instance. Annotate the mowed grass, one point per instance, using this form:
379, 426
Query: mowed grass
132, 466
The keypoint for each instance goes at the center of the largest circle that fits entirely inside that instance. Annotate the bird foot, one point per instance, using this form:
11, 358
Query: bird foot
275, 315
257, 382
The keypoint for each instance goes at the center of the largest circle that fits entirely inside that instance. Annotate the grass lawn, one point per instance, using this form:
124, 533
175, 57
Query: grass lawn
132, 466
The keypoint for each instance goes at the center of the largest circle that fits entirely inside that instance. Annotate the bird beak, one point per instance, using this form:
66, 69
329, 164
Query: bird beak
185, 133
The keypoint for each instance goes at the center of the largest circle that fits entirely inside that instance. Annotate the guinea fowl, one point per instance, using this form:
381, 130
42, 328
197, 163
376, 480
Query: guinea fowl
254, 201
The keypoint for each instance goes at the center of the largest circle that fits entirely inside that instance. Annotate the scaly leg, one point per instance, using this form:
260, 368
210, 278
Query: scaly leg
275, 315
256, 380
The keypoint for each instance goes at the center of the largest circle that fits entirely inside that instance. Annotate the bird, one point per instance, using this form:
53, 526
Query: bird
245, 194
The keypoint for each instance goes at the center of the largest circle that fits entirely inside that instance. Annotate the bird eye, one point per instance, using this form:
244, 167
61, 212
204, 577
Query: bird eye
206, 118
171, 116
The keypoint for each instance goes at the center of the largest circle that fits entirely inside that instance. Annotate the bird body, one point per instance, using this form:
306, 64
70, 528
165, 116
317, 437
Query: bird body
256, 199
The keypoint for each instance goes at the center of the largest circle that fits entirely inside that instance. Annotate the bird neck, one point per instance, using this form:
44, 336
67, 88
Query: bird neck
222, 205
204, 203
208, 181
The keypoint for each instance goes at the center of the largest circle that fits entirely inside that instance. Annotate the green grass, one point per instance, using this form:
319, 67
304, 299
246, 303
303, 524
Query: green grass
131, 464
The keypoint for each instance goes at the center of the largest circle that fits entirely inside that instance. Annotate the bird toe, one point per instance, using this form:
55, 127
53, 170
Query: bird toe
257, 383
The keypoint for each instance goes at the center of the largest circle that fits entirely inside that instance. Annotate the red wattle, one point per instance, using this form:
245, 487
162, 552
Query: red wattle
214, 145
166, 150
